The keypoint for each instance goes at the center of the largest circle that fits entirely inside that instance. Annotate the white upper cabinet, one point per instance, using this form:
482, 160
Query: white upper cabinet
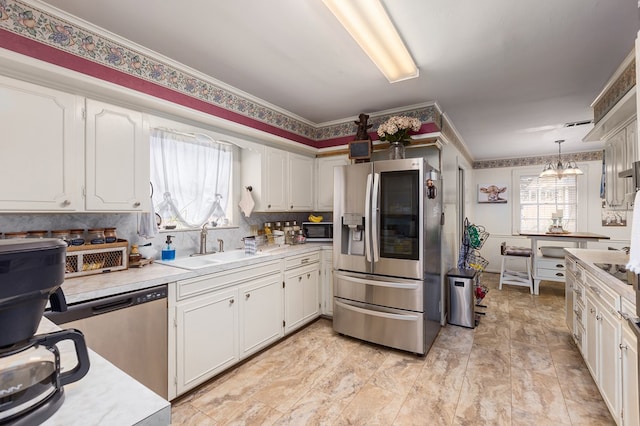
300, 182
280, 180
57, 160
117, 159
324, 180
41, 148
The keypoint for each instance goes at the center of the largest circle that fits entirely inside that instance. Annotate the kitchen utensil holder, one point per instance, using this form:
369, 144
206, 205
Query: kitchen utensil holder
96, 258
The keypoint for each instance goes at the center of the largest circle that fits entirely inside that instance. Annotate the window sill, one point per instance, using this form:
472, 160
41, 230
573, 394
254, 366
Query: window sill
209, 228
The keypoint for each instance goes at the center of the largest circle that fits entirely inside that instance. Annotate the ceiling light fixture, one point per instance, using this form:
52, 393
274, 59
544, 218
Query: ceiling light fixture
371, 27
560, 169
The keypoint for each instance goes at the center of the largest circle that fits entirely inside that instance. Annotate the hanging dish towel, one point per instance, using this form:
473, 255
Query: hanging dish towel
246, 203
634, 252
147, 225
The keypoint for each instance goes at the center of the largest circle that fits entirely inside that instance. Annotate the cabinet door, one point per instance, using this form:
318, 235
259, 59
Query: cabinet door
609, 357
327, 282
260, 314
590, 344
630, 404
275, 183
300, 182
206, 337
324, 180
293, 301
631, 155
568, 300
42, 148
311, 294
117, 159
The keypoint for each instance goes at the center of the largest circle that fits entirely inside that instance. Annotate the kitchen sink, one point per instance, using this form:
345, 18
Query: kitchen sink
206, 260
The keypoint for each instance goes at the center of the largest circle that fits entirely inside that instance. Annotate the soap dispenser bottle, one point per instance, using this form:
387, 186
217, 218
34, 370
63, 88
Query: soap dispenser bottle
168, 252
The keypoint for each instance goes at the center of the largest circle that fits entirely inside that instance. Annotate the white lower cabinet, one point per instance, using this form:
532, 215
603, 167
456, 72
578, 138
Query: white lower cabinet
629, 364
218, 319
206, 337
609, 347
260, 314
301, 290
326, 285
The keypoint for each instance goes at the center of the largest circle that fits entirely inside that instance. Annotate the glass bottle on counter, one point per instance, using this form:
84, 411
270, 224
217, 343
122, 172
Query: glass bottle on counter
288, 233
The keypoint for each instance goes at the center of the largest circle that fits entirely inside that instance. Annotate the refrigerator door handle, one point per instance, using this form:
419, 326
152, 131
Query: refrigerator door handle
377, 313
374, 217
391, 284
367, 222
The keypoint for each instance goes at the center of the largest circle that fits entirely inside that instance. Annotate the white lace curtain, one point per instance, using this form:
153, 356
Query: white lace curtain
191, 178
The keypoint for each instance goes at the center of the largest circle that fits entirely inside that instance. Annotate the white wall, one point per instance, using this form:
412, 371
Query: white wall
498, 218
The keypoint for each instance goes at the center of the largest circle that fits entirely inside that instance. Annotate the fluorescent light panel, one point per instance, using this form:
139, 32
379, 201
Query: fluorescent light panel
370, 26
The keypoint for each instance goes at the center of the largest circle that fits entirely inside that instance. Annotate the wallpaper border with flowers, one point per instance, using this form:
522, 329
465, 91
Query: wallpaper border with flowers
28, 21
618, 89
539, 160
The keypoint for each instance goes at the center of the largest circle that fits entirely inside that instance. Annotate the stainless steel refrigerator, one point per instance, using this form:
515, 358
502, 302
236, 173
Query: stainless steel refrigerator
386, 246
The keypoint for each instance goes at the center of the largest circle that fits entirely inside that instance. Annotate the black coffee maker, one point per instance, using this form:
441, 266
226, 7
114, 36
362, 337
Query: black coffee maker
31, 383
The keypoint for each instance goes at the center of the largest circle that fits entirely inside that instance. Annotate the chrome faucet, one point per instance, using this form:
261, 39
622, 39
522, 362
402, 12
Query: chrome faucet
203, 239
220, 245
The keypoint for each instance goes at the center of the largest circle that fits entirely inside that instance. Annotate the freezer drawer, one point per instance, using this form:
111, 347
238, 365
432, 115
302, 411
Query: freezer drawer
391, 292
390, 327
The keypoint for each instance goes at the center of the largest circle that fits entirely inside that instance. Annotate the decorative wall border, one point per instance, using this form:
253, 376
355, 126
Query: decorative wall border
25, 20
618, 89
540, 160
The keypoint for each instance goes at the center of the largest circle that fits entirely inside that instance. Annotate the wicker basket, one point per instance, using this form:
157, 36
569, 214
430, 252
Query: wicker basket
96, 258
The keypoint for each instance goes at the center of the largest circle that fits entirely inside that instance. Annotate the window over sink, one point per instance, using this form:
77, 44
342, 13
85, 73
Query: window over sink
191, 175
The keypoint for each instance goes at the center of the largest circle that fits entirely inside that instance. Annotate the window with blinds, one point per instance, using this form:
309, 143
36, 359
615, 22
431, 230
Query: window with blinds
541, 197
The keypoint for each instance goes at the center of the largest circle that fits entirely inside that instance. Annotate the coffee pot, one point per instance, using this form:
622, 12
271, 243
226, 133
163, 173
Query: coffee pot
31, 383
31, 380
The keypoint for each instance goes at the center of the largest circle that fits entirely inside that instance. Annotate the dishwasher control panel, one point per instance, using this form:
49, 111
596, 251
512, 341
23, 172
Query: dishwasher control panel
155, 294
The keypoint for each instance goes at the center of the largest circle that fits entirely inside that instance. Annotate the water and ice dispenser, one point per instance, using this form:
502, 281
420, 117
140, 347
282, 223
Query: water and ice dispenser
352, 230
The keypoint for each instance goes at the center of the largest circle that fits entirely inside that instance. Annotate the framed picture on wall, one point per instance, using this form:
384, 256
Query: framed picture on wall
492, 193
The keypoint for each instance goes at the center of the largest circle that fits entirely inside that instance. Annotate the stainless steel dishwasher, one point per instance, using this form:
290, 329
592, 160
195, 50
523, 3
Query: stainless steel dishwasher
129, 330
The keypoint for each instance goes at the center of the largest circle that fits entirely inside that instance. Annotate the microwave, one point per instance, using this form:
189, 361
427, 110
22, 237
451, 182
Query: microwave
318, 231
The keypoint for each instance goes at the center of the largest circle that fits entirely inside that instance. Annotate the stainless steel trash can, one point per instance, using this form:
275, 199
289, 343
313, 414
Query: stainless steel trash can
462, 300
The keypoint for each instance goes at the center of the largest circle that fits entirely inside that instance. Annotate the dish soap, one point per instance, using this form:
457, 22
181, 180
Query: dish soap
168, 252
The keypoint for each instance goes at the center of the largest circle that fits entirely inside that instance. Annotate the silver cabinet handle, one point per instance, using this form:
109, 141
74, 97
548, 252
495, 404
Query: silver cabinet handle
248, 295
599, 317
136, 204
623, 347
591, 310
300, 278
308, 275
66, 203
231, 302
559, 274
559, 265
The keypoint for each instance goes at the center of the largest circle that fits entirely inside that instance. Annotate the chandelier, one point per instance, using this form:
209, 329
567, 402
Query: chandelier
560, 169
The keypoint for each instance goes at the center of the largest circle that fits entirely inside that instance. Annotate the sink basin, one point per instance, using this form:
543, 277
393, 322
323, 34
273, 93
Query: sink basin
232, 256
192, 262
206, 260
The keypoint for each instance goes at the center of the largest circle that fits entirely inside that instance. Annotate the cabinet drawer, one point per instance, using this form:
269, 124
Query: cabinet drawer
571, 264
301, 260
206, 283
578, 293
550, 263
602, 293
550, 274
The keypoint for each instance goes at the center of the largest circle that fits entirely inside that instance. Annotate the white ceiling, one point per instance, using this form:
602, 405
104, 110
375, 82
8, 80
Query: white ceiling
498, 68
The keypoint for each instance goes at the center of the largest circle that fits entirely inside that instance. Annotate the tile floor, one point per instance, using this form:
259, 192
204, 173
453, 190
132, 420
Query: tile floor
518, 367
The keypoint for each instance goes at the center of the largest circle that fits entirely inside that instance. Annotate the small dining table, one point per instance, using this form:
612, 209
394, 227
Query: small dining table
552, 269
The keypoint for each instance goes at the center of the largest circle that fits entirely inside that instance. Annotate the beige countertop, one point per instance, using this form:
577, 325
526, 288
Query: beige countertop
587, 257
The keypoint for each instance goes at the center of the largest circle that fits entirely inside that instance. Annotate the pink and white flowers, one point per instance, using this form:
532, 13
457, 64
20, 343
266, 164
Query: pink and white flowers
396, 129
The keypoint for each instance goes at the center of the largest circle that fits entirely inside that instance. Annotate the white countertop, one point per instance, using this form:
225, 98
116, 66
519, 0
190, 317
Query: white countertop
587, 258
89, 287
106, 395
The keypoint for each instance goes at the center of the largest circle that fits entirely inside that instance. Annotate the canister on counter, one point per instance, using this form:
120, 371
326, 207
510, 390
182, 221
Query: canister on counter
62, 234
76, 236
37, 234
95, 236
110, 235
